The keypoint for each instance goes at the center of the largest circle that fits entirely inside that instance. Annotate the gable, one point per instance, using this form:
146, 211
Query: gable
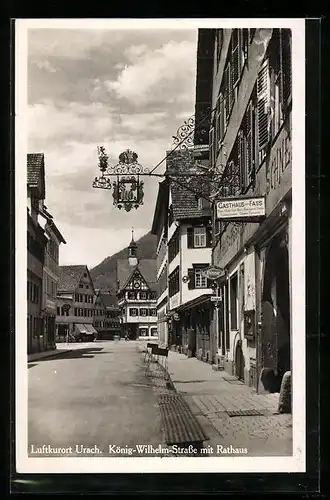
136, 282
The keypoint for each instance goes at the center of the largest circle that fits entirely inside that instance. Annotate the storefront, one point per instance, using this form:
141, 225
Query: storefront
192, 327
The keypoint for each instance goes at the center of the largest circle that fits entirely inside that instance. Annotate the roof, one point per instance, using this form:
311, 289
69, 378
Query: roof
108, 299
147, 268
50, 224
69, 277
185, 202
36, 172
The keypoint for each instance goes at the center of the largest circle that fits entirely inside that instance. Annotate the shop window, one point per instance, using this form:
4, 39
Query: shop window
233, 302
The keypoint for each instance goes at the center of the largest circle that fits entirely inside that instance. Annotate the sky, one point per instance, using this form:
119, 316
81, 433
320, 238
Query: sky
116, 88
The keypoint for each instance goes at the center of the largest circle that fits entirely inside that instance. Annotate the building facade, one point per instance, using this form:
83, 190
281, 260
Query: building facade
75, 304
183, 225
137, 295
36, 243
250, 149
106, 316
50, 277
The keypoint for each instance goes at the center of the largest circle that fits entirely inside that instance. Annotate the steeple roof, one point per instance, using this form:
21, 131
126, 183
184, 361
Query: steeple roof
132, 243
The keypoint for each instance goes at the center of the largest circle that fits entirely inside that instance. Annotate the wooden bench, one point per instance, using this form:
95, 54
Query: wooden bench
180, 425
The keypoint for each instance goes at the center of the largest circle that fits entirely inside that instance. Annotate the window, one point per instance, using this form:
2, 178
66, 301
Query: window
174, 282
143, 332
143, 311
199, 237
86, 286
263, 97
153, 312
196, 277
233, 302
246, 147
131, 295
153, 332
219, 41
133, 311
58, 311
143, 295
200, 279
174, 245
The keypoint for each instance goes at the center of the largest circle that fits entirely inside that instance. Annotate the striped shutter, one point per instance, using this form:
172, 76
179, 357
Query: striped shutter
286, 63
263, 98
249, 142
222, 116
240, 159
212, 148
235, 58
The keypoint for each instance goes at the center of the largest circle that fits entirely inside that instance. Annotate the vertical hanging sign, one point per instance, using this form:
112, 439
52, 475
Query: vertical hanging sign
249, 282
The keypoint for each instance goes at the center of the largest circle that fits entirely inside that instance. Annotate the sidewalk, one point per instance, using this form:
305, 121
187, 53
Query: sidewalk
46, 354
230, 412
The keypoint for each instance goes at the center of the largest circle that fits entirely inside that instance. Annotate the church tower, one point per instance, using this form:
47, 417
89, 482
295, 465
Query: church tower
132, 252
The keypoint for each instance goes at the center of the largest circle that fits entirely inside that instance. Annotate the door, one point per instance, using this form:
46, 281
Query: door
275, 345
239, 361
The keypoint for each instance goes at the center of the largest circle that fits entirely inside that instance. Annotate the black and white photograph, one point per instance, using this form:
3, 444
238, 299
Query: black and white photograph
160, 239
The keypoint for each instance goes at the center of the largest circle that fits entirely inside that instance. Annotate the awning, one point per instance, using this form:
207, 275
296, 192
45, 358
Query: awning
81, 328
202, 299
90, 329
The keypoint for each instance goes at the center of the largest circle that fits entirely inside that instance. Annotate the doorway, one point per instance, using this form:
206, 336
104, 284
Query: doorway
239, 361
275, 307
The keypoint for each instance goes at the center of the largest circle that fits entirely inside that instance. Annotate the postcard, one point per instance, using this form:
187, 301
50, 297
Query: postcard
160, 267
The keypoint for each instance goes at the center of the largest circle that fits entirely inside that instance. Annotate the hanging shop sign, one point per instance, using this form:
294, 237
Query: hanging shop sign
213, 272
176, 317
241, 209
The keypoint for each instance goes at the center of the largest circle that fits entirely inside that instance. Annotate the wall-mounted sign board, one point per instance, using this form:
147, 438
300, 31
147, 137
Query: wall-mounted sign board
241, 209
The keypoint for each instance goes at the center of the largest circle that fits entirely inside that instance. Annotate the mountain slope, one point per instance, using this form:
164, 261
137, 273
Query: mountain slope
104, 274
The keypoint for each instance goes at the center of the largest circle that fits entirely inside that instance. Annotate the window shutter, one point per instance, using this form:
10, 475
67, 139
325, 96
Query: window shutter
235, 59
240, 159
209, 236
212, 149
249, 145
286, 63
263, 91
190, 237
209, 283
191, 276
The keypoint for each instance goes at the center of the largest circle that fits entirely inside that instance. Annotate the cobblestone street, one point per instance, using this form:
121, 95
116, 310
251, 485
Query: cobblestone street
213, 395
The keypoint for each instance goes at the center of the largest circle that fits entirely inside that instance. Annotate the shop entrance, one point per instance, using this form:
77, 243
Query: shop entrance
275, 345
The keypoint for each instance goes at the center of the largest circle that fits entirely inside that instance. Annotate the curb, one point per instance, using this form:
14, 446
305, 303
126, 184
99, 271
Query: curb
45, 354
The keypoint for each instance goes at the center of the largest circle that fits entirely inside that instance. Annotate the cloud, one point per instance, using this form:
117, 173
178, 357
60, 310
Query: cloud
121, 89
44, 64
163, 74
